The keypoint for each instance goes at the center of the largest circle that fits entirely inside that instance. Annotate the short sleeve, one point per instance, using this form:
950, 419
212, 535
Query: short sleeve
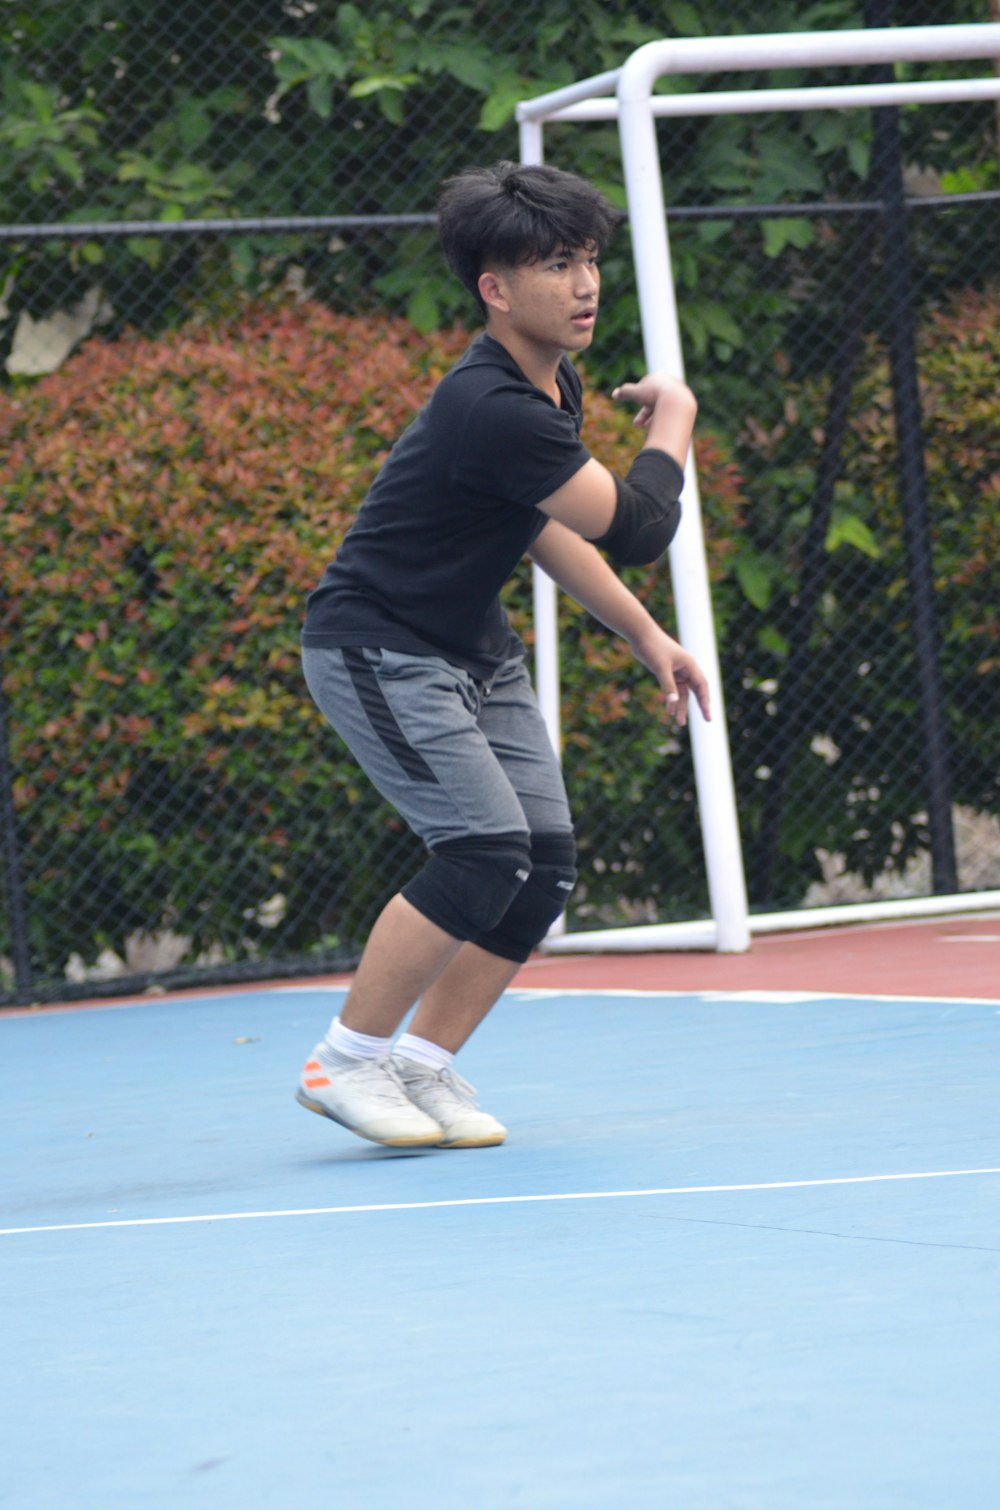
517, 446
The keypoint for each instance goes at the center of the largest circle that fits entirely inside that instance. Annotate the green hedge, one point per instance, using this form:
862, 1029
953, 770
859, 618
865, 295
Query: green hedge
857, 784
169, 504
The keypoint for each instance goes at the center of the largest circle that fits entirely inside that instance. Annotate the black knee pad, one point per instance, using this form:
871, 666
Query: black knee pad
467, 885
541, 899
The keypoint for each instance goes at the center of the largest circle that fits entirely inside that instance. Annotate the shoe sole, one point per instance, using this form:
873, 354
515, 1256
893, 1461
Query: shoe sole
474, 1142
430, 1140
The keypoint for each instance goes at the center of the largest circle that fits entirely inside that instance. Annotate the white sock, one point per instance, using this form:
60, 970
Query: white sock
424, 1052
344, 1045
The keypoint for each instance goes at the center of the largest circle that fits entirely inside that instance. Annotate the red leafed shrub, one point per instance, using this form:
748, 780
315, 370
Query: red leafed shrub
168, 505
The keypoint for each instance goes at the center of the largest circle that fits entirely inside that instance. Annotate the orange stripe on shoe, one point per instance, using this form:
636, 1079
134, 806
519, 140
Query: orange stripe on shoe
315, 1080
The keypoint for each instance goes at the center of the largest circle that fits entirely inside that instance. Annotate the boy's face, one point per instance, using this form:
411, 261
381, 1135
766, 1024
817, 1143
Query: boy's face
551, 301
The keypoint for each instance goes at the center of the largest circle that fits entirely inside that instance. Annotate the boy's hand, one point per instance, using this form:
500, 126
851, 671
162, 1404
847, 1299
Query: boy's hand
650, 390
677, 672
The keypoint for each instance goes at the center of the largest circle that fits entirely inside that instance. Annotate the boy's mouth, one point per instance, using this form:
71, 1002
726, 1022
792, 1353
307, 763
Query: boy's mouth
585, 317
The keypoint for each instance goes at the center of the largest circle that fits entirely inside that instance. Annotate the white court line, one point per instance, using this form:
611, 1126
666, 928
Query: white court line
502, 1200
757, 994
513, 993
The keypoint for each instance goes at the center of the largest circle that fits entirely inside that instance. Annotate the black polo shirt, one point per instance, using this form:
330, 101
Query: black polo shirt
450, 515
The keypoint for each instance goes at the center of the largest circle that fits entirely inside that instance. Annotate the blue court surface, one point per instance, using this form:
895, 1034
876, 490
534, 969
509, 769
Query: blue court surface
739, 1253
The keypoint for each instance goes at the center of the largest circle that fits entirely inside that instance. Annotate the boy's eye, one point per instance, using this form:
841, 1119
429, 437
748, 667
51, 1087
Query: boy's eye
562, 263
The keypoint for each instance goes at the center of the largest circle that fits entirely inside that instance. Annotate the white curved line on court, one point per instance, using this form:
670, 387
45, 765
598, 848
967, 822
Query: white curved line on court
501, 1200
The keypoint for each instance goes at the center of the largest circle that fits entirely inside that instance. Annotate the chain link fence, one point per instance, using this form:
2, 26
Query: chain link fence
221, 299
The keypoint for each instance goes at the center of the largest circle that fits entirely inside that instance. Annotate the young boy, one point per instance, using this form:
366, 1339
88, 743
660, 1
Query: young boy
408, 652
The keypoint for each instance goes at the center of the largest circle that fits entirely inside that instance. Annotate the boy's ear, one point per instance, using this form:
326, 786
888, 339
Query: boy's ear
493, 292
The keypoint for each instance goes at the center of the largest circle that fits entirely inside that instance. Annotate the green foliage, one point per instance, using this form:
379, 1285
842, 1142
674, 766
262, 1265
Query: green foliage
170, 503
168, 506
959, 361
853, 737
43, 142
178, 110
144, 109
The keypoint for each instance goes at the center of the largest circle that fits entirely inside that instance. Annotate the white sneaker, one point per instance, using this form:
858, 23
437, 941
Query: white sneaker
367, 1098
450, 1100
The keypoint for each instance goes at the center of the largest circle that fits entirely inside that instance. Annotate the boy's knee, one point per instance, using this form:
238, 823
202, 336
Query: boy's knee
467, 885
539, 902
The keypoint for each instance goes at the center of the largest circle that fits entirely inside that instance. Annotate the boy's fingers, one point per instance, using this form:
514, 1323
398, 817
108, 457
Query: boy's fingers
675, 703
691, 679
703, 697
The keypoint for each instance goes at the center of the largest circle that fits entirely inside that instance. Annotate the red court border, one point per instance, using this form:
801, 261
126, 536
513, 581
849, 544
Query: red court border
939, 959
954, 957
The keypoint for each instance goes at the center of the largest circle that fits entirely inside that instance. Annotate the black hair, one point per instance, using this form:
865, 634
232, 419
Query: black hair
513, 213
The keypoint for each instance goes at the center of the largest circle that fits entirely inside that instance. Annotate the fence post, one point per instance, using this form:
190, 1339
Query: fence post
17, 912
887, 180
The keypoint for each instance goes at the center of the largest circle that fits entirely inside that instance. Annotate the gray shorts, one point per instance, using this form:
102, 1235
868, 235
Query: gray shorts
456, 757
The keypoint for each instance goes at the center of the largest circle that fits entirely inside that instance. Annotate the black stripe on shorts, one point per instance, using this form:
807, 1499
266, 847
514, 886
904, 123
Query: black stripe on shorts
382, 718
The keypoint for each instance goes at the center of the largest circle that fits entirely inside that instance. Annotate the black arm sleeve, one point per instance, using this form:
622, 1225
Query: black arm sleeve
647, 511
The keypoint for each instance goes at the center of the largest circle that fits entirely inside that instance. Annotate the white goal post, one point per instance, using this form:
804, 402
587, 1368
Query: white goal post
626, 95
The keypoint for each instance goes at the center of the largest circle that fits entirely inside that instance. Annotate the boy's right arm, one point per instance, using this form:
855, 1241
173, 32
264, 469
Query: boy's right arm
582, 572
588, 503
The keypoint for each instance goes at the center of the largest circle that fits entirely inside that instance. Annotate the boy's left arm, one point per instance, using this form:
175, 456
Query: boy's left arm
580, 569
